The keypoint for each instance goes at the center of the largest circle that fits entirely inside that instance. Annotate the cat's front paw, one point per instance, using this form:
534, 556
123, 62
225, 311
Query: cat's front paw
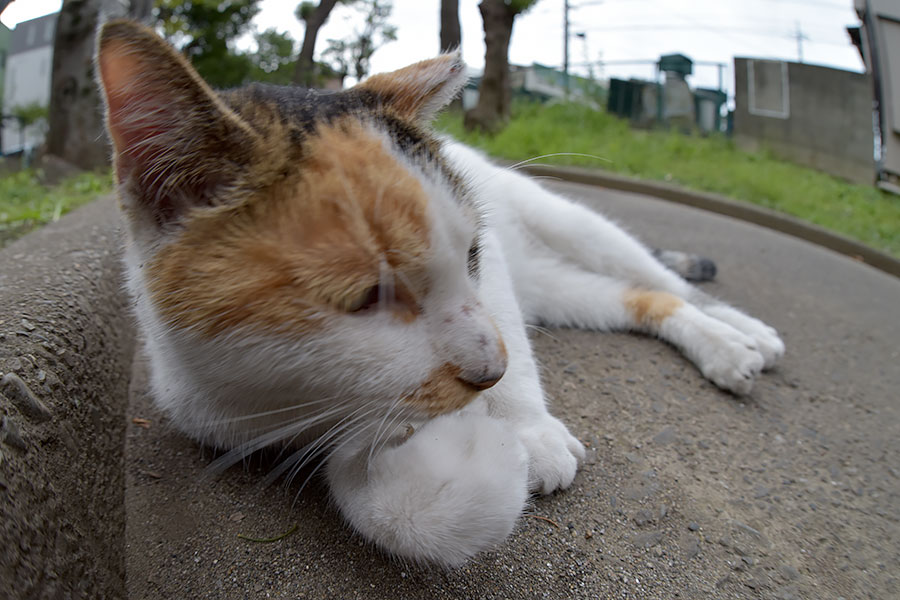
732, 361
553, 454
453, 489
768, 343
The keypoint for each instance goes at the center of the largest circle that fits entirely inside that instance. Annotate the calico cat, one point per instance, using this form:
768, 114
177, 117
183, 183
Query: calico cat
320, 272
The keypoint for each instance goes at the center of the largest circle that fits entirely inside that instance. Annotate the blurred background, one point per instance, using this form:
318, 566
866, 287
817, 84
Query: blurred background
730, 97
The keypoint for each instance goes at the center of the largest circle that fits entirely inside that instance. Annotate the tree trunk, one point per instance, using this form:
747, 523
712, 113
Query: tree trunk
451, 36
77, 133
304, 71
492, 109
141, 10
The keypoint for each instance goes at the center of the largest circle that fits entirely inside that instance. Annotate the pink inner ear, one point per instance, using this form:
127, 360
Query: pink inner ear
133, 109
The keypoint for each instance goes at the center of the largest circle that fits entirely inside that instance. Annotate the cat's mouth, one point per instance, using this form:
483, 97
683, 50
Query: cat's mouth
445, 391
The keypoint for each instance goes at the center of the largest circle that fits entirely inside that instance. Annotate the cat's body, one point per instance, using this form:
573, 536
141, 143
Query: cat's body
322, 273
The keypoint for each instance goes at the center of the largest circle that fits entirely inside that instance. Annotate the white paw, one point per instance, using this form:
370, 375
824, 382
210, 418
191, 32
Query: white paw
768, 343
553, 453
730, 359
453, 489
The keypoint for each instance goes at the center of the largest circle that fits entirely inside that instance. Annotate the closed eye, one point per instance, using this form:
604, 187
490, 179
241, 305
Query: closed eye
364, 301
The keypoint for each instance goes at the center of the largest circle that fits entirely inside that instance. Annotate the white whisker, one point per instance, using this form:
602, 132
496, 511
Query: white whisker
530, 160
542, 330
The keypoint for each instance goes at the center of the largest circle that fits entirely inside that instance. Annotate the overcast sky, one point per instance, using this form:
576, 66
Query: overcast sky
615, 31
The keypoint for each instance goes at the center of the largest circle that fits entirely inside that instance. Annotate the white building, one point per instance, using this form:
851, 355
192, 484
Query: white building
29, 66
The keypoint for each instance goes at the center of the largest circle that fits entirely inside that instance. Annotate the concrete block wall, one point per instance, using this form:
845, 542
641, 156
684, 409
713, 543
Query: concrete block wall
825, 121
66, 346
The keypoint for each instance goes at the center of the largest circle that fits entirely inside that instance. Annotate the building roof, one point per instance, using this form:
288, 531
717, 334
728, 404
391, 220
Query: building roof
36, 33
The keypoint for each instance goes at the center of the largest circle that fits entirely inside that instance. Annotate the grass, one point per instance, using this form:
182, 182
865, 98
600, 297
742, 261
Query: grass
26, 203
711, 164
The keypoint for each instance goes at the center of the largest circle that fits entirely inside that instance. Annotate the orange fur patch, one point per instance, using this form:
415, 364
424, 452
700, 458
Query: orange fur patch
651, 308
442, 392
408, 90
307, 245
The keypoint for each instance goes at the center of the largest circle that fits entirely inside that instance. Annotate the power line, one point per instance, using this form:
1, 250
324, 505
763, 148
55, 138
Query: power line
711, 29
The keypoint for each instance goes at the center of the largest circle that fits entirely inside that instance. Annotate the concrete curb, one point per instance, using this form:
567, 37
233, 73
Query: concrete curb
725, 206
66, 347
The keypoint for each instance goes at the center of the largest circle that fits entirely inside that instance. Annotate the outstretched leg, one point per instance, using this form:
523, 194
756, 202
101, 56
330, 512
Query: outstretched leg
725, 355
573, 267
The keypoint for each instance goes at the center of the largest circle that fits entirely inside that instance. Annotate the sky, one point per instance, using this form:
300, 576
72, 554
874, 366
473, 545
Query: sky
621, 33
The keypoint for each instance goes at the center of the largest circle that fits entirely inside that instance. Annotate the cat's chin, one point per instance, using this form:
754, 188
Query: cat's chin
442, 393
453, 489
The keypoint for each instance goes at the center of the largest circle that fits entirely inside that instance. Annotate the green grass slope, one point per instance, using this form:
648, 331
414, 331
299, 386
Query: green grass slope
710, 164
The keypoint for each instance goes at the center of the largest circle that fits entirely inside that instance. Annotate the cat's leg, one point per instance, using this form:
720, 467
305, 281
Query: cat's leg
568, 237
723, 354
519, 397
454, 488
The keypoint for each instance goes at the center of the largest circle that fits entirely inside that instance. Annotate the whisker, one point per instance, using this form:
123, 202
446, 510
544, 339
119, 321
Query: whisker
269, 413
302, 457
379, 431
361, 426
529, 160
244, 450
542, 330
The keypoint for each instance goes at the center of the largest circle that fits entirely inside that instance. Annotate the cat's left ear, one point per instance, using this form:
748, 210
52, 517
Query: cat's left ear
420, 90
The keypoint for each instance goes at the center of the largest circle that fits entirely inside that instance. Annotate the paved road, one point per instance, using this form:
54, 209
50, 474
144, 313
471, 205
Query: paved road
687, 492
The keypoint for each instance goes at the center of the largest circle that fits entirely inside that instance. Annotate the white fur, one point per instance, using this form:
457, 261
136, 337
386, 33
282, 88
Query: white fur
442, 489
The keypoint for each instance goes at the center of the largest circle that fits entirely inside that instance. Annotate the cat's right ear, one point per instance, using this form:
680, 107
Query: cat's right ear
175, 143
419, 91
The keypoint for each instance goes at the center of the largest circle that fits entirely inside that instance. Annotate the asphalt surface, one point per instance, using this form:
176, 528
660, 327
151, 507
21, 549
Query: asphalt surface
687, 492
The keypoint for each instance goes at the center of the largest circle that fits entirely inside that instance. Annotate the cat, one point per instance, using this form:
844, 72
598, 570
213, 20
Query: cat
320, 272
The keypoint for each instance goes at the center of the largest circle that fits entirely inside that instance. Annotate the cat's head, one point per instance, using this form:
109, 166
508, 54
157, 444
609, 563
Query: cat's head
310, 244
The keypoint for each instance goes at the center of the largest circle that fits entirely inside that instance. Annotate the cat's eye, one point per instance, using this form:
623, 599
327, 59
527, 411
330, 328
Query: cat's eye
366, 300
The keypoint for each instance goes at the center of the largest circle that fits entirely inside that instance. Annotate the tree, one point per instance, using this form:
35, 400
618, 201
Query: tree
273, 61
451, 33
313, 16
352, 56
204, 30
76, 130
492, 109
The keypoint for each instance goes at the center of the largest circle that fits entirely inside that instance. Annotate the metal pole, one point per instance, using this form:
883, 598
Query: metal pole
800, 37
566, 46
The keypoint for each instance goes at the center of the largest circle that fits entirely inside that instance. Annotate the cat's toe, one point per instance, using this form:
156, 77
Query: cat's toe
766, 339
553, 454
770, 346
733, 362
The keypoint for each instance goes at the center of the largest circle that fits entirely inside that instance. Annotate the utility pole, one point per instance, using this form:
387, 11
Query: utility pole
799, 36
566, 46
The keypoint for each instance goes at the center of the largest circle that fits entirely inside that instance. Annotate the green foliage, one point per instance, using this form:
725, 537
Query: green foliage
520, 6
273, 61
352, 56
29, 114
25, 203
304, 10
204, 30
712, 164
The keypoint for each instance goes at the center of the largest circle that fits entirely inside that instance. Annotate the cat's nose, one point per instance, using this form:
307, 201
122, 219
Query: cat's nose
483, 379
